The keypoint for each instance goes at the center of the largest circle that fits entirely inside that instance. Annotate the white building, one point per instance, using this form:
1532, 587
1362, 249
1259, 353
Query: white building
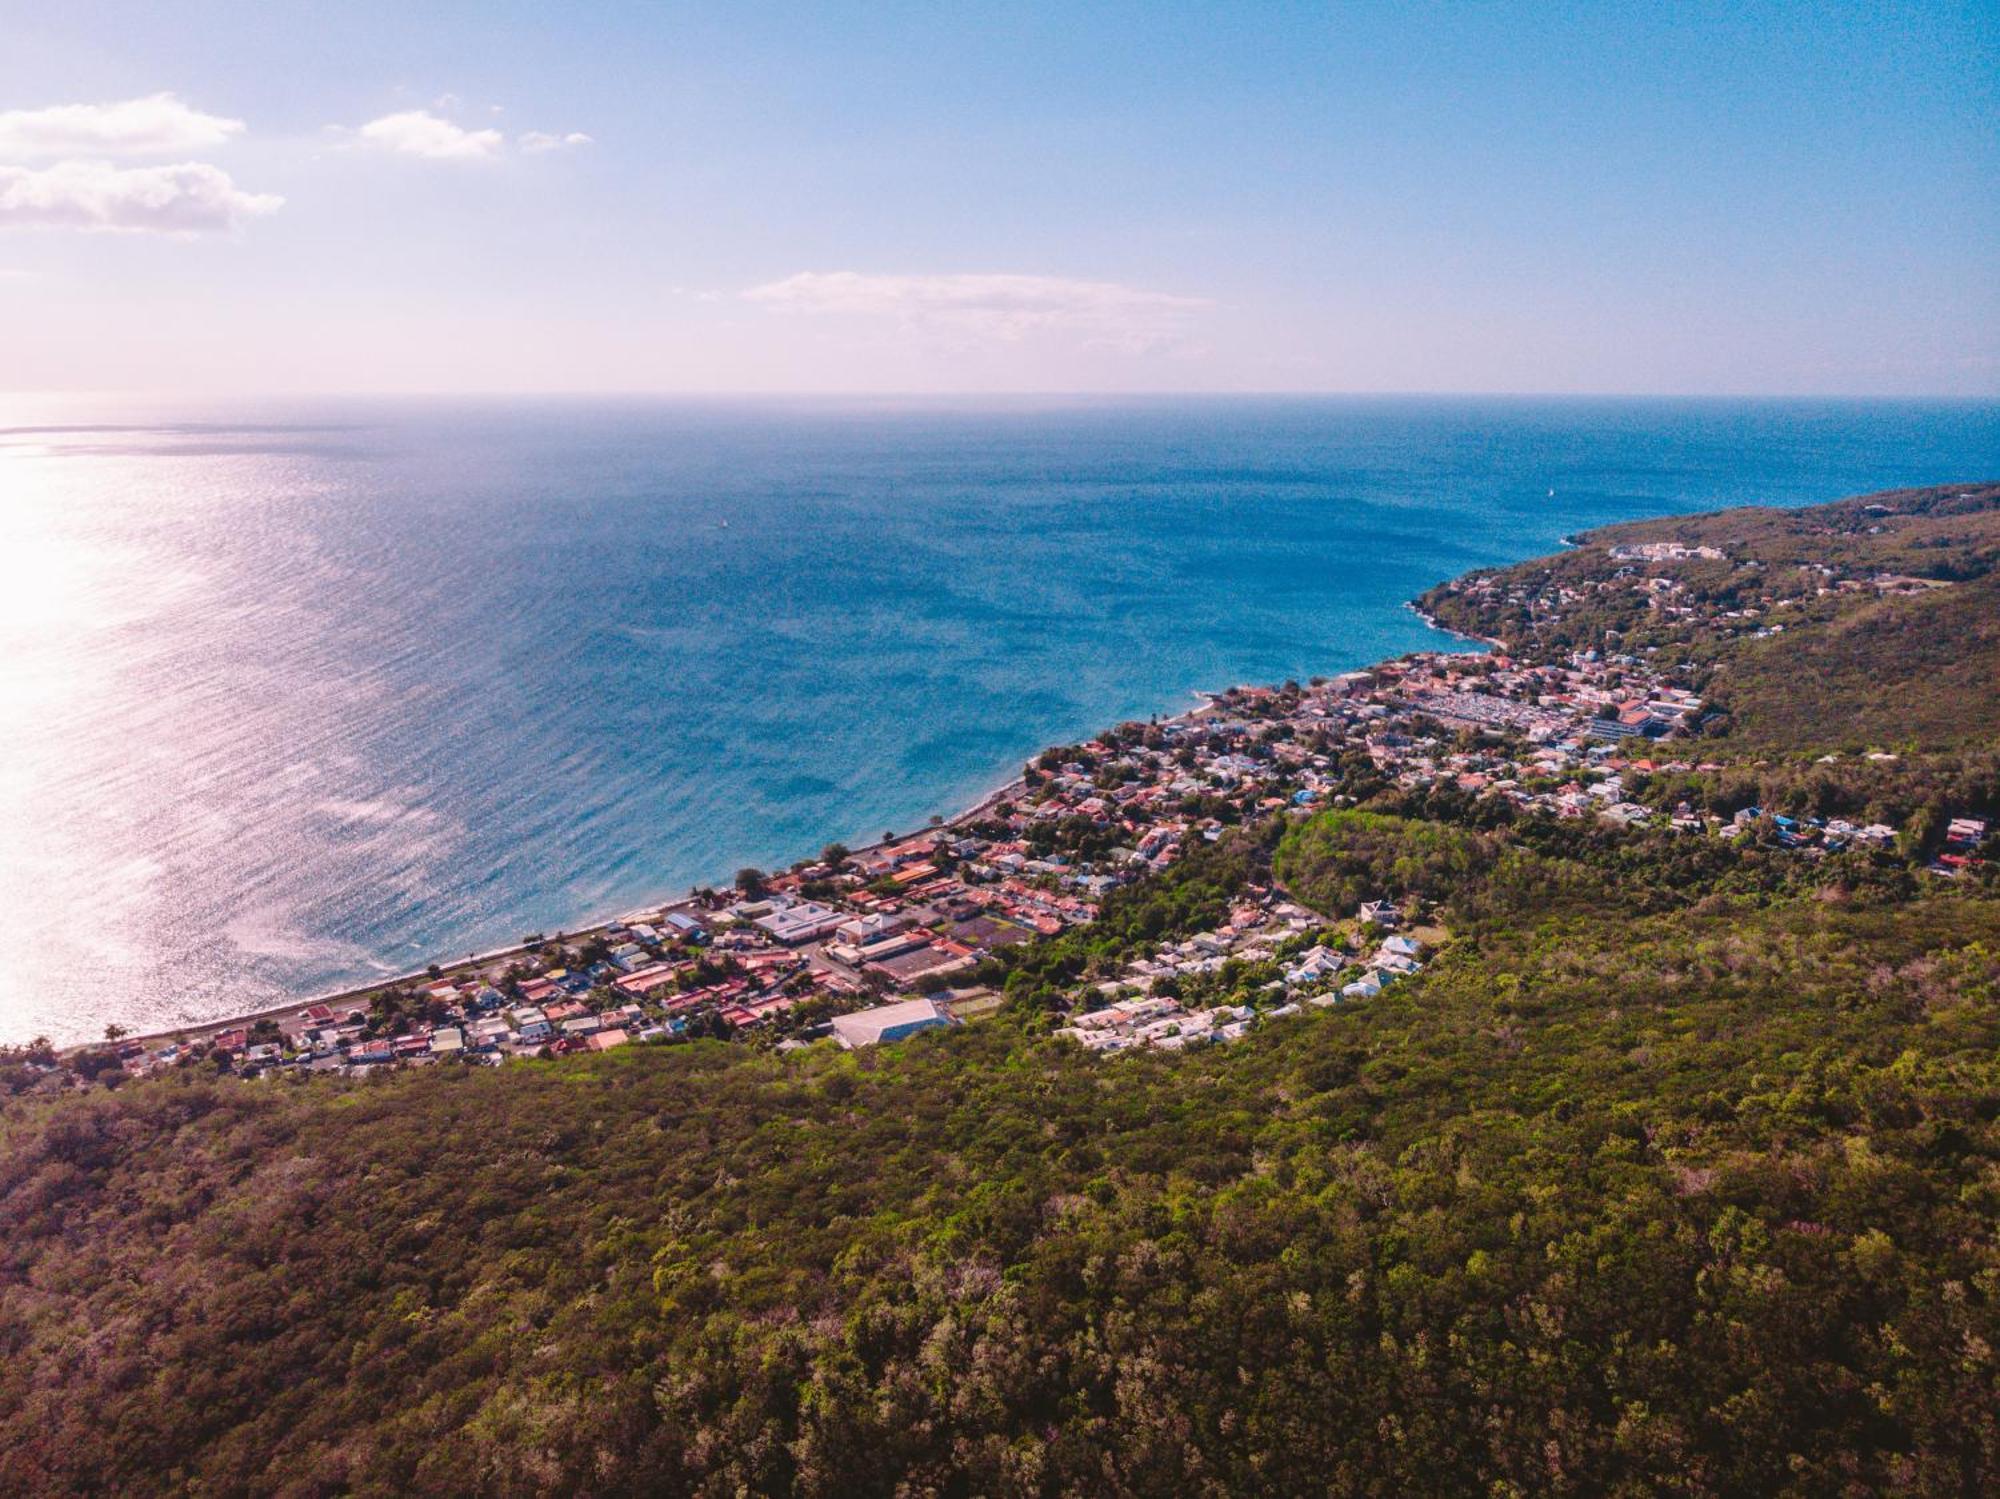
888, 1023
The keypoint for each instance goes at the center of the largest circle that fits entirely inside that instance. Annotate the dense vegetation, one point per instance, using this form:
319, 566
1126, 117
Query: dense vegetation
1703, 1202
1339, 859
1676, 1171
1906, 672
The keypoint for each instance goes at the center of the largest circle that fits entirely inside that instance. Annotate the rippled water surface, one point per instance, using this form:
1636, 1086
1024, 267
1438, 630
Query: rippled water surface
295, 696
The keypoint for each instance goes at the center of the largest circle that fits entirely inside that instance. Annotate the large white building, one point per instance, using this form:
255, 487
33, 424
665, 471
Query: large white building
802, 922
888, 1023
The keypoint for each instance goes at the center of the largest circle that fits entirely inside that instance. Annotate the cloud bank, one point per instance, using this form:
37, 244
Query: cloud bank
85, 191
188, 198
1001, 307
157, 125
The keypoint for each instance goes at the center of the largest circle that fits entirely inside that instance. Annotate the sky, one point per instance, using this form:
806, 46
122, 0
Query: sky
254, 196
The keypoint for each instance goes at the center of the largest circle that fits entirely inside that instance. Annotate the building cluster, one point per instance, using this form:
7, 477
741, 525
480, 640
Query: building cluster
1963, 838
1152, 1004
1665, 551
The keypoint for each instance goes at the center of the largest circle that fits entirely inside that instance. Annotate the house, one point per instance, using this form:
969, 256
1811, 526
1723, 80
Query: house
686, 927
888, 1023
605, 1040
1318, 963
647, 981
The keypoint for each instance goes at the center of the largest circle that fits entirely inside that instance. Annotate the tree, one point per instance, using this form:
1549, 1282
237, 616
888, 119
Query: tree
750, 881
1922, 834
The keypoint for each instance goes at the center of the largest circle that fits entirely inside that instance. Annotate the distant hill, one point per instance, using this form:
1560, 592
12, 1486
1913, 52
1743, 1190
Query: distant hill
1913, 671
1676, 1170
1946, 531
1889, 606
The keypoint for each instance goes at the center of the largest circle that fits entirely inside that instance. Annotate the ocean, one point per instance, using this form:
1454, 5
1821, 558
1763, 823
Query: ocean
293, 696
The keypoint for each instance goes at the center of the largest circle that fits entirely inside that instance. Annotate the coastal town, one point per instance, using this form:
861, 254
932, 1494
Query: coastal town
858, 947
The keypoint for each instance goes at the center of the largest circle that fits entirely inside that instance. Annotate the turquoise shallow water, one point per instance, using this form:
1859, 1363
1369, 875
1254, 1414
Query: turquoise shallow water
300, 695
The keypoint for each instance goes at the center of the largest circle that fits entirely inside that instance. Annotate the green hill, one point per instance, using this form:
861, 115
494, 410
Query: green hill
1917, 671
1703, 1202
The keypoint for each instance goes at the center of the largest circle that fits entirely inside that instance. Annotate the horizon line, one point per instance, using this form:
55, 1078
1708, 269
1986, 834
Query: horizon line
1023, 394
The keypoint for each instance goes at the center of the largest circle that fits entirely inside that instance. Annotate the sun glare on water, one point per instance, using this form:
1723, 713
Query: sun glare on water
81, 592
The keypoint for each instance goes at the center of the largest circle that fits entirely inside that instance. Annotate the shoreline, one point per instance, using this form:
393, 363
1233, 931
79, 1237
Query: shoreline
203, 1029
1492, 643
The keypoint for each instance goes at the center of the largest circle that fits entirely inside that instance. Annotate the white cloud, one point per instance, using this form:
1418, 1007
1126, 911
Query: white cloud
184, 199
158, 124
541, 140
418, 132
995, 306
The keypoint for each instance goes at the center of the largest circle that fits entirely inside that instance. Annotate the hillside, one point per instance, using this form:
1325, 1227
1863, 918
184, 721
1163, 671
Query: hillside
1897, 596
1614, 1206
1905, 671
1674, 1166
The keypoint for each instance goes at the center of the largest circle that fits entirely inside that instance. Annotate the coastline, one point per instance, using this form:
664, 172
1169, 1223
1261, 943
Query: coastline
203, 1029
1590, 706
1489, 641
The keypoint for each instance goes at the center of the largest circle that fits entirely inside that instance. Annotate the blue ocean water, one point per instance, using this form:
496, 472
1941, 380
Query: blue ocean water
300, 695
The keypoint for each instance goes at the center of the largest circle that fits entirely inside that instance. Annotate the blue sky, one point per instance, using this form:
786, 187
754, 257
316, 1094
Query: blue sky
605, 197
